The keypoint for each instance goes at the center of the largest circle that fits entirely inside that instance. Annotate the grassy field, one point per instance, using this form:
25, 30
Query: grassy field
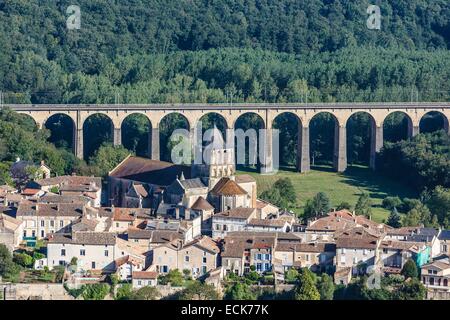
339, 186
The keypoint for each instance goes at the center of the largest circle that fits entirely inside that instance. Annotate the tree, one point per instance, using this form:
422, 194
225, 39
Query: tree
394, 219
438, 201
239, 291
325, 286
97, 291
410, 290
23, 260
409, 270
287, 190
291, 275
390, 203
319, 205
7, 266
199, 291
147, 293
124, 292
306, 289
107, 157
344, 205
364, 205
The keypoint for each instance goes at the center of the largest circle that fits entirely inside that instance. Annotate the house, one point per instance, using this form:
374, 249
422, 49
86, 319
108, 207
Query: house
436, 278
323, 229
93, 250
206, 211
357, 248
231, 220
268, 225
343, 275
11, 230
4, 191
429, 236
21, 173
394, 254
444, 242
266, 209
199, 256
317, 256
127, 265
73, 185
40, 219
142, 279
228, 195
242, 250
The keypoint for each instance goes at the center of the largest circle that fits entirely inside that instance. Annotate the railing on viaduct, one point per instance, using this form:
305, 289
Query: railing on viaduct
230, 113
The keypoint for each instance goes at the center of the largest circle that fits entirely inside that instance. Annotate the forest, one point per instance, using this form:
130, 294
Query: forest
226, 51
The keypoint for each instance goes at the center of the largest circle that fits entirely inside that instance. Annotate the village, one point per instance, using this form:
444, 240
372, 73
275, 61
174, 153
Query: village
151, 219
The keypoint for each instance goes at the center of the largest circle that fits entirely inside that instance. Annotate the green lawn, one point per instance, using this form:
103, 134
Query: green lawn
339, 186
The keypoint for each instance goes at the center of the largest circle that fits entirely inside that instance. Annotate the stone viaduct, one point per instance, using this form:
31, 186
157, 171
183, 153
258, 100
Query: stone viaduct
117, 113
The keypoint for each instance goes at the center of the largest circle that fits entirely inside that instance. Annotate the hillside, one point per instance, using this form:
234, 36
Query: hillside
206, 50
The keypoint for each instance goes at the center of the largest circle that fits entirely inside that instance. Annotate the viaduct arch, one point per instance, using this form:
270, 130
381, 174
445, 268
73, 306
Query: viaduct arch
230, 113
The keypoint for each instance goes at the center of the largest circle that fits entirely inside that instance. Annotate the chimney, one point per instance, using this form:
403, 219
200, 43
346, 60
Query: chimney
17, 159
187, 214
42, 163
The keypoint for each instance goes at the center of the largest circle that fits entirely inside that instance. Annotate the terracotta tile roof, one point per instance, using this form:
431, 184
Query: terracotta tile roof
238, 213
56, 198
202, 204
227, 187
123, 214
30, 191
8, 223
140, 190
145, 170
401, 245
235, 245
314, 247
206, 243
267, 223
44, 209
86, 238
70, 180
84, 224
144, 275
357, 238
128, 259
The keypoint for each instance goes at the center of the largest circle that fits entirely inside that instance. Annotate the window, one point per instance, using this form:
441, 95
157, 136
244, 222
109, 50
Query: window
444, 248
355, 260
365, 252
63, 252
139, 282
24, 233
186, 258
259, 266
61, 223
117, 224
224, 227
42, 223
93, 265
204, 270
82, 252
217, 226
33, 233
52, 223
106, 253
431, 281
267, 266
204, 260
430, 272
165, 269
343, 250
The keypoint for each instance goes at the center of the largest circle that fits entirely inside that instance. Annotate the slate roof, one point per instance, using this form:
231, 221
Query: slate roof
237, 213
444, 235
